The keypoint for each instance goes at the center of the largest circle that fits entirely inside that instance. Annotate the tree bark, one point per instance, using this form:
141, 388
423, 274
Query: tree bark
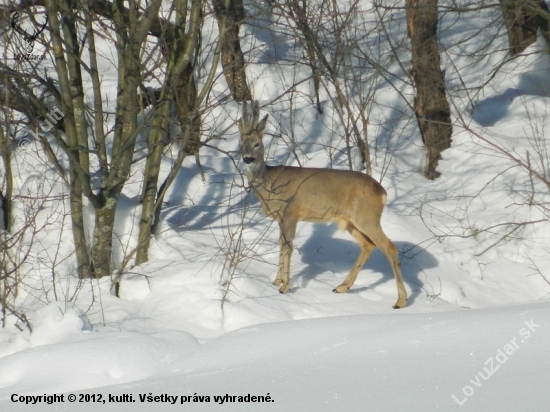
102, 244
430, 103
6, 196
73, 129
523, 19
230, 15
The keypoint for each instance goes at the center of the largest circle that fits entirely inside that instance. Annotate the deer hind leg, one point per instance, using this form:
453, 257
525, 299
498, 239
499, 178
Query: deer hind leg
288, 231
380, 239
367, 246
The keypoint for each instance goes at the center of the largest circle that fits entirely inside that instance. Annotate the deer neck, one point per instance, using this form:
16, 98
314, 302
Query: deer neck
256, 174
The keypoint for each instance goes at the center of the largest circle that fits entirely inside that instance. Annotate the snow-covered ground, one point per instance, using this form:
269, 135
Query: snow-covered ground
191, 328
485, 359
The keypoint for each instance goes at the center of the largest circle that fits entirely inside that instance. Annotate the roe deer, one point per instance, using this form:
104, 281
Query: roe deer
291, 194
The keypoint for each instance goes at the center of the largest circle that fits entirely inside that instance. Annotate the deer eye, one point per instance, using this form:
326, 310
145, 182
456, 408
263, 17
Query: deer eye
256, 145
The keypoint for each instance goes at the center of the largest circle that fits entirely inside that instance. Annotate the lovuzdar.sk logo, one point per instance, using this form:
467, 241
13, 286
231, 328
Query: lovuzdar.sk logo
24, 26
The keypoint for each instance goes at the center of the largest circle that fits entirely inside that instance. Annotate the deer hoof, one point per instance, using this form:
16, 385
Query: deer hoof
284, 289
340, 289
400, 303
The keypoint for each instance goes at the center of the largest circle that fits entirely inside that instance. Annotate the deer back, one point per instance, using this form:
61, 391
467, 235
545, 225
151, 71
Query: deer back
318, 194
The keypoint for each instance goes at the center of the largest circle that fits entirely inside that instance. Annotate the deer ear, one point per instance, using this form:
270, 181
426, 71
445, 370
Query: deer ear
261, 126
241, 127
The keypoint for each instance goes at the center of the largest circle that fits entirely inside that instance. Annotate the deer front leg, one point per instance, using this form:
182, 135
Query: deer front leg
288, 230
283, 274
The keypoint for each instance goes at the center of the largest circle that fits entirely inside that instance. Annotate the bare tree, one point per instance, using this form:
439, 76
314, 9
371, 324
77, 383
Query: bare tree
332, 36
182, 51
97, 172
430, 103
230, 16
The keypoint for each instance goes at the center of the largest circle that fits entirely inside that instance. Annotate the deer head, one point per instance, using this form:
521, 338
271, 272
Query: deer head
252, 131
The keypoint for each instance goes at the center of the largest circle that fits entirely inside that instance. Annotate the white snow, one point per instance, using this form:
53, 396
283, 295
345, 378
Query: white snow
359, 362
475, 333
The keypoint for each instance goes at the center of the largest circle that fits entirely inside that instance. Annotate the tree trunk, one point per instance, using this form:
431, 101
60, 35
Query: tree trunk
81, 149
83, 265
190, 122
103, 238
430, 104
522, 19
7, 197
71, 99
300, 14
151, 174
178, 73
230, 15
